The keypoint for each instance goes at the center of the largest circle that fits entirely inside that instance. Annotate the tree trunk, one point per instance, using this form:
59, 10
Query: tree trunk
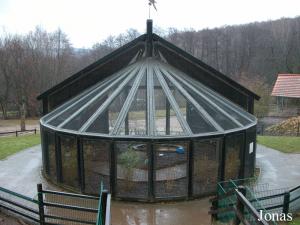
23, 116
4, 110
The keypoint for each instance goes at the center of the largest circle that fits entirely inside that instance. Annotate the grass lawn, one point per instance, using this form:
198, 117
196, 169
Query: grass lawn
296, 221
283, 144
11, 145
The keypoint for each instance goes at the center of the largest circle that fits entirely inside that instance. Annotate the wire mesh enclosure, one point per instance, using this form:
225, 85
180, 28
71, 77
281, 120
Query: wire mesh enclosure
96, 157
171, 169
206, 166
150, 132
132, 165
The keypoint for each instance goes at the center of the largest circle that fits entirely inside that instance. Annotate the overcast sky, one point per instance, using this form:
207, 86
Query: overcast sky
89, 21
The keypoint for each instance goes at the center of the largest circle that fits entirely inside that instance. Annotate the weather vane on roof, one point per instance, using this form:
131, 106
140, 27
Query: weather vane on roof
150, 3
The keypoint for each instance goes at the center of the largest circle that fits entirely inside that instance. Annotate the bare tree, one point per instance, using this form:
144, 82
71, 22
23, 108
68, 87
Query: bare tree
5, 81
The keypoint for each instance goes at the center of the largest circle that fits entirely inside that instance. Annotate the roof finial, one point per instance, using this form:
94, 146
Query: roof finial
149, 46
150, 3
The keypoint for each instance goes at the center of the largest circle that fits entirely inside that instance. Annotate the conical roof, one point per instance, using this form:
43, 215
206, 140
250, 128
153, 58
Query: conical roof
149, 98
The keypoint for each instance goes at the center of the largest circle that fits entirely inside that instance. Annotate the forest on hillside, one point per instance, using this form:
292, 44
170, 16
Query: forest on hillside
252, 54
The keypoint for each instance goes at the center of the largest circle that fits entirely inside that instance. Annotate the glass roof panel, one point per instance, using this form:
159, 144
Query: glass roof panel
218, 116
149, 98
166, 121
69, 109
136, 117
229, 107
160, 116
195, 120
84, 94
111, 113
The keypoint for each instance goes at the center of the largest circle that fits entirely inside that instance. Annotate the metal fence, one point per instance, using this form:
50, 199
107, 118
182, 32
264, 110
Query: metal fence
260, 196
294, 200
67, 209
19, 204
53, 207
238, 210
228, 203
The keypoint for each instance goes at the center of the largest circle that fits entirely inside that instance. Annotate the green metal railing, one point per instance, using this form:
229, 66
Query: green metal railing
231, 200
100, 219
19, 204
53, 207
260, 196
227, 202
103, 217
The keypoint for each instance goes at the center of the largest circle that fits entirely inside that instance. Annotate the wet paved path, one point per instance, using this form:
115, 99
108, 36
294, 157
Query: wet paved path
21, 171
179, 213
278, 169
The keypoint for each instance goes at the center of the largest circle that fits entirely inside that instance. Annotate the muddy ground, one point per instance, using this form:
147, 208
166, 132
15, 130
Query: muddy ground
13, 125
8, 220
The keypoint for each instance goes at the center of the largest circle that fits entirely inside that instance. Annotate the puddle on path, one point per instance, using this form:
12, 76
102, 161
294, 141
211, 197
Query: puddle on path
176, 213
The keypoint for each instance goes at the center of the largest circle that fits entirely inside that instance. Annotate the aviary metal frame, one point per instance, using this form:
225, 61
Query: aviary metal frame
144, 69
246, 169
217, 138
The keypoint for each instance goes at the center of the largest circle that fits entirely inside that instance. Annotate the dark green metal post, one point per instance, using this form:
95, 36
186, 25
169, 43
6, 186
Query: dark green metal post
167, 117
240, 205
243, 152
151, 183
41, 204
112, 170
58, 158
126, 118
286, 203
100, 205
81, 180
223, 159
190, 168
220, 157
45, 152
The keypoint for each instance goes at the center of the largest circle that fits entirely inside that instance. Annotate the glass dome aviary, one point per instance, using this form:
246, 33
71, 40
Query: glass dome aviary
149, 98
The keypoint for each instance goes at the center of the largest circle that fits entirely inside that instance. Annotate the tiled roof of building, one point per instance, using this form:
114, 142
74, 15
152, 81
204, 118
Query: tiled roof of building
287, 85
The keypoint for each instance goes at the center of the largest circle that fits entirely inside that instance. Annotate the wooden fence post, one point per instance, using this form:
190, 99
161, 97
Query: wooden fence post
41, 204
286, 203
